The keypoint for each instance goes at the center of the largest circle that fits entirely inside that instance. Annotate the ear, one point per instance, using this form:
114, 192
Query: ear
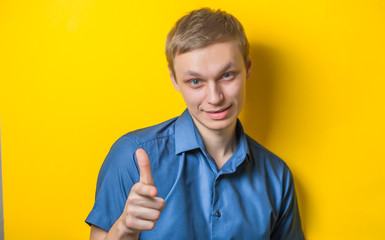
248, 68
173, 79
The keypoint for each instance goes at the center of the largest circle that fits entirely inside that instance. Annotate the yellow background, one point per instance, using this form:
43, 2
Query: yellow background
76, 75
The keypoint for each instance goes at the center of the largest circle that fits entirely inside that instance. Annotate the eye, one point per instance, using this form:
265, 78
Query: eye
227, 75
195, 82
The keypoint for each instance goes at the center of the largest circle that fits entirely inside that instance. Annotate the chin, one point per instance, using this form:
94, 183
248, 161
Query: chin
219, 125
213, 124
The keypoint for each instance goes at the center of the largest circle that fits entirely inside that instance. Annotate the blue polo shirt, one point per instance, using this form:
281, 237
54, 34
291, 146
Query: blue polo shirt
251, 197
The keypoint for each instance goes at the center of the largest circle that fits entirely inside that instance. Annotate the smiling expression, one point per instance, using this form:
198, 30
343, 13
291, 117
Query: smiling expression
212, 81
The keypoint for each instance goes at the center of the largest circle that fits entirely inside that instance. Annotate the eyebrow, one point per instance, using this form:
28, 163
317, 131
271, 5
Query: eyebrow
195, 74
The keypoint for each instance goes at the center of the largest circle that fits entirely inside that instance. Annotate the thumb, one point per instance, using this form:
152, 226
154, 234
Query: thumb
144, 167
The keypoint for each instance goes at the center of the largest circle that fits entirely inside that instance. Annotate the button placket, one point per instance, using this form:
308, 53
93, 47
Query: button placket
216, 210
218, 213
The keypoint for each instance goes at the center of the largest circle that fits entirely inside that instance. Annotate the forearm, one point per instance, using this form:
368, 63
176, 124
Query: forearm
119, 232
142, 208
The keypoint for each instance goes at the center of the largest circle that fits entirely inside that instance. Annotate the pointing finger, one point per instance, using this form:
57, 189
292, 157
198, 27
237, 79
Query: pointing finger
144, 167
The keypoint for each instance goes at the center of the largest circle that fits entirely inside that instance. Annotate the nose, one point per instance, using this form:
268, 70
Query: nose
214, 93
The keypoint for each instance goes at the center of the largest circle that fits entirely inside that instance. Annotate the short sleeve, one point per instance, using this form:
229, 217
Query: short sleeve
288, 225
117, 175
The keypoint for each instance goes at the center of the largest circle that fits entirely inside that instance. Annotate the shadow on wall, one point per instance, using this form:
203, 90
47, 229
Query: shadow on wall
267, 73
258, 114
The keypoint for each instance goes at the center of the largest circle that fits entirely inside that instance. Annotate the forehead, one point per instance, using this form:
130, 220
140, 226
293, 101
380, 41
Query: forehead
209, 59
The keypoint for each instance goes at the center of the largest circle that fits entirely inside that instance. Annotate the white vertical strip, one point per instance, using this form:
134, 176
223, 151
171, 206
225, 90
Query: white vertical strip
1, 198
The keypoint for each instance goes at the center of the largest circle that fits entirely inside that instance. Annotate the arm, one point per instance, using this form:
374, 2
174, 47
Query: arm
97, 233
288, 225
142, 207
114, 233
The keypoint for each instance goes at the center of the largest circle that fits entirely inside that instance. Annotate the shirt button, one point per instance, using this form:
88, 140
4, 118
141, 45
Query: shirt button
218, 213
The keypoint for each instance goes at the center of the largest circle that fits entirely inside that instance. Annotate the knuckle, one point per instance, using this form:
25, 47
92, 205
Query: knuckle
157, 215
131, 200
130, 223
161, 204
142, 189
131, 211
151, 225
136, 187
150, 190
153, 190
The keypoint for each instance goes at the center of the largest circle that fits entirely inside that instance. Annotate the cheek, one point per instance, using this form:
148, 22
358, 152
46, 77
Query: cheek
237, 91
192, 96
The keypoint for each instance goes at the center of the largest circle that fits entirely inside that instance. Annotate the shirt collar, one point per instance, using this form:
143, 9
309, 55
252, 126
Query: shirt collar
242, 146
187, 136
185, 139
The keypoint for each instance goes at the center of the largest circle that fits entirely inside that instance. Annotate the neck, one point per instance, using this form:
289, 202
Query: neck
220, 144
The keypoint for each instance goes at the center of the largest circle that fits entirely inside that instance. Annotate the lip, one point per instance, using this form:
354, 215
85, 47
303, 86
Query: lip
219, 114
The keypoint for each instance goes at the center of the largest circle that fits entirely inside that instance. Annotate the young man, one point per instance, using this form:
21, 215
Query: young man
198, 176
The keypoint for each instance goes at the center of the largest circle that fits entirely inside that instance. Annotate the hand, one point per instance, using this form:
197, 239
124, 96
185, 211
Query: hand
143, 207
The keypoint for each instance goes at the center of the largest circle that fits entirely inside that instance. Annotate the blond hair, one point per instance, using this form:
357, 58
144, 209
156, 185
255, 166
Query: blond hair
203, 27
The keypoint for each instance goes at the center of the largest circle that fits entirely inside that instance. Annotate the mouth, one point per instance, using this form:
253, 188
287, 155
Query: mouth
219, 114
218, 111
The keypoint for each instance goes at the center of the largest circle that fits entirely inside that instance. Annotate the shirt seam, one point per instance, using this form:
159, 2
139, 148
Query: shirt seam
141, 143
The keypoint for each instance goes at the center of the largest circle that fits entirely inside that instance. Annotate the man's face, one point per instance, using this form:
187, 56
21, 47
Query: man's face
212, 81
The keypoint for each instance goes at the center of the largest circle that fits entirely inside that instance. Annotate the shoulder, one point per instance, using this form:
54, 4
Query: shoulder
141, 136
125, 147
262, 154
268, 164
274, 173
